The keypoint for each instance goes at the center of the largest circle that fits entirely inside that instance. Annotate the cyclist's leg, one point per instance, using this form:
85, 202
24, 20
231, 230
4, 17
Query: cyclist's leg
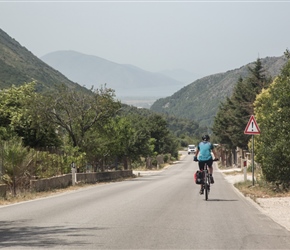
209, 165
201, 168
210, 170
201, 165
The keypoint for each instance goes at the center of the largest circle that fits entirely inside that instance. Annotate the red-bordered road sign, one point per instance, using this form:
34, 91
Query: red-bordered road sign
252, 127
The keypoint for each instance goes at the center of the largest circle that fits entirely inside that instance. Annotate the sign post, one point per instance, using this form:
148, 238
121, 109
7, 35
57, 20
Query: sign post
252, 128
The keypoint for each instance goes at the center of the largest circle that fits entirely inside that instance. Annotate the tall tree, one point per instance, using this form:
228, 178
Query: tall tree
272, 108
77, 112
222, 124
233, 115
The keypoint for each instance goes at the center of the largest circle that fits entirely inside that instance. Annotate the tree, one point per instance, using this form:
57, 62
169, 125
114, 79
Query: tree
132, 138
13, 107
222, 124
157, 127
233, 114
16, 160
272, 108
19, 116
76, 113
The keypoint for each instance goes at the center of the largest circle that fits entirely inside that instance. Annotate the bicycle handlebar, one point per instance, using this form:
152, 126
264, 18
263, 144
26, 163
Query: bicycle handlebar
195, 159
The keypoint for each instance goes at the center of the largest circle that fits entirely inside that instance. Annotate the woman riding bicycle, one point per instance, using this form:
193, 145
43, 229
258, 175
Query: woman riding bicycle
203, 156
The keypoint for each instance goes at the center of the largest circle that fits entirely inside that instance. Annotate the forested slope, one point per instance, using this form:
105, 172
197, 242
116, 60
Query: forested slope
18, 66
200, 100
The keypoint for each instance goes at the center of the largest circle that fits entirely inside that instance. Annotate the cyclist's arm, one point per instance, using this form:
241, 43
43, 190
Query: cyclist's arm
214, 153
197, 151
196, 154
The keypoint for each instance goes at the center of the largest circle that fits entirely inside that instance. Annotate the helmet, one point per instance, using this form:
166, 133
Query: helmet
205, 138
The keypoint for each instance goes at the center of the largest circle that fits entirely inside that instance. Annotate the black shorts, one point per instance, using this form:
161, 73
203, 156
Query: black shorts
202, 163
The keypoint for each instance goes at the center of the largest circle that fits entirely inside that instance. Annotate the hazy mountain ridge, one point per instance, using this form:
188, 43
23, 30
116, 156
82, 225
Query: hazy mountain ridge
200, 100
197, 101
18, 65
126, 80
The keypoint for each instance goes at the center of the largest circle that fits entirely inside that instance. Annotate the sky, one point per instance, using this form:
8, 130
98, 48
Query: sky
202, 37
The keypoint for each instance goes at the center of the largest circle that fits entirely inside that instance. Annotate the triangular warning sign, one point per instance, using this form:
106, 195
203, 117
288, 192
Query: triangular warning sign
252, 127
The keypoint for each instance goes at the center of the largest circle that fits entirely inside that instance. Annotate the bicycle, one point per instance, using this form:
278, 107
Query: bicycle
206, 181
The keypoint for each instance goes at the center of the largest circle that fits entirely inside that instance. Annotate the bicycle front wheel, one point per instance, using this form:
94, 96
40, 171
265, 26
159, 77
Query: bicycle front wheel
206, 191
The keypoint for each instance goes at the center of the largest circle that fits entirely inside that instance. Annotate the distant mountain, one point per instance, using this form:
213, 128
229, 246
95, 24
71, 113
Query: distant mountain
180, 75
18, 66
200, 100
126, 80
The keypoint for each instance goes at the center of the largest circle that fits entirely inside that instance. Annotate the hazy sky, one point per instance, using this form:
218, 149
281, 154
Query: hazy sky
203, 37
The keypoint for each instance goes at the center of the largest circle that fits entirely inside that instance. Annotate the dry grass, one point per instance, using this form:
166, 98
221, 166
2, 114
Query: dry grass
26, 195
260, 189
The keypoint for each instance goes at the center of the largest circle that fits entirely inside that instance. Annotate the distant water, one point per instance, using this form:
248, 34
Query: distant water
138, 101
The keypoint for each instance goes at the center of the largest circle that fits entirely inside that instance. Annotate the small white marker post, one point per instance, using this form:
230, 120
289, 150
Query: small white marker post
252, 128
73, 173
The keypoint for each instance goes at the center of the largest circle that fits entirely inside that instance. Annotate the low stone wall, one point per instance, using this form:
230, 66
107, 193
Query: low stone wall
103, 176
3, 189
66, 180
51, 183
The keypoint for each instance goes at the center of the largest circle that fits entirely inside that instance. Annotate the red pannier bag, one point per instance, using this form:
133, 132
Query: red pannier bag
198, 177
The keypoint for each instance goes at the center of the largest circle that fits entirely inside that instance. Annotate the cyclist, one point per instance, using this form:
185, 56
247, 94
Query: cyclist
203, 156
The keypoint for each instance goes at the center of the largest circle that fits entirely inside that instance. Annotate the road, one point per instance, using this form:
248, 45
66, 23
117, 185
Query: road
162, 210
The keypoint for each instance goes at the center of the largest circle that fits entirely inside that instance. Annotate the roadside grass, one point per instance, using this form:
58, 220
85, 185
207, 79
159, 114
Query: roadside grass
22, 196
260, 189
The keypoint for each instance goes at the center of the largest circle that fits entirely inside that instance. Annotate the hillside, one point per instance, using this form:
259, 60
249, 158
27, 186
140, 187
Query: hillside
18, 65
200, 100
181, 75
126, 80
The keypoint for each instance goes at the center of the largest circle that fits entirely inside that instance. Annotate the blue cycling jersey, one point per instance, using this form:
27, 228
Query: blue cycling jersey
205, 149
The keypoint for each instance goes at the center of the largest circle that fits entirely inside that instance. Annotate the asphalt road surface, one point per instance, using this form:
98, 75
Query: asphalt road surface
159, 211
